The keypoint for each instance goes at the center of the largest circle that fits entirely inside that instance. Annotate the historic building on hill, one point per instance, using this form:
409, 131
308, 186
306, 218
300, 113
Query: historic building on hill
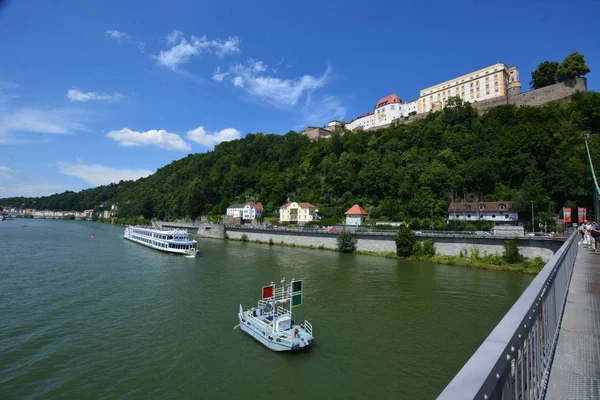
488, 83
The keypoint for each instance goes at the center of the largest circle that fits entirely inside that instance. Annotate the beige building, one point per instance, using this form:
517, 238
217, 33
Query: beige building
484, 84
297, 213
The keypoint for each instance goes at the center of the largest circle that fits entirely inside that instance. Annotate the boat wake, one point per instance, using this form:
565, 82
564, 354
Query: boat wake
235, 327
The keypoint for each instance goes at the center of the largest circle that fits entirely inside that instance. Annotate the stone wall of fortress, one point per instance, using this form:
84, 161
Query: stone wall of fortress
537, 97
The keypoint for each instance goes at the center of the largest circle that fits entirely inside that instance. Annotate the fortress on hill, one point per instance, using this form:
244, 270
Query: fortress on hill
485, 88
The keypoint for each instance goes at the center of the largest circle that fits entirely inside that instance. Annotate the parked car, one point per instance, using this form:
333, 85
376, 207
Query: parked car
333, 230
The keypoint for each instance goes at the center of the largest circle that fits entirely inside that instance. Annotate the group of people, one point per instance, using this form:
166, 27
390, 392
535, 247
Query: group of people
590, 235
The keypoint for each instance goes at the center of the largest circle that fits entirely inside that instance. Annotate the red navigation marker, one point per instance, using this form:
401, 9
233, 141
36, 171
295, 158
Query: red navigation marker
267, 292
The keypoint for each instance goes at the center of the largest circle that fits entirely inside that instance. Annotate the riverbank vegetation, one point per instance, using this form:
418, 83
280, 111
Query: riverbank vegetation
404, 173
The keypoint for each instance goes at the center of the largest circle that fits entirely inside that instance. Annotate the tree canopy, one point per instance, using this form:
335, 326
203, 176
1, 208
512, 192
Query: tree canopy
544, 75
551, 72
403, 173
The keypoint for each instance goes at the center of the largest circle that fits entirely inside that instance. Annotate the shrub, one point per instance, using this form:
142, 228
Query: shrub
321, 247
511, 251
244, 238
271, 243
417, 250
475, 253
405, 241
428, 248
346, 242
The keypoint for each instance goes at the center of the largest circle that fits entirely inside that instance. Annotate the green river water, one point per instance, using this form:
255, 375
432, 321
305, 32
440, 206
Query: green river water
108, 318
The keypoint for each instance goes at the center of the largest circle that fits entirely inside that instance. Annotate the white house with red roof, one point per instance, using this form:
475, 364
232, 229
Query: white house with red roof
387, 110
356, 215
246, 211
297, 213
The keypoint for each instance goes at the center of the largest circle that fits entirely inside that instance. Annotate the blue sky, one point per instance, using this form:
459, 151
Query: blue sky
95, 92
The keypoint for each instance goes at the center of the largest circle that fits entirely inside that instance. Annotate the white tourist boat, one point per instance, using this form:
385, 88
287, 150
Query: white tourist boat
168, 240
271, 321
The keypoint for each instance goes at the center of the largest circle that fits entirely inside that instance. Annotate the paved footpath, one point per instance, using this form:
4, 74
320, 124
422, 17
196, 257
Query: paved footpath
575, 371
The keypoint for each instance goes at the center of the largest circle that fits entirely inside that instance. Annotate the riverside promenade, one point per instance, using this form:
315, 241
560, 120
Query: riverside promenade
575, 372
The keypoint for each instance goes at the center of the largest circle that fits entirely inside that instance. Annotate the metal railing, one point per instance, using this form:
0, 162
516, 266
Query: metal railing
514, 361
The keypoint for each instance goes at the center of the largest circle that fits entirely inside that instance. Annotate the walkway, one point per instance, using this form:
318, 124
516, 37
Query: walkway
575, 372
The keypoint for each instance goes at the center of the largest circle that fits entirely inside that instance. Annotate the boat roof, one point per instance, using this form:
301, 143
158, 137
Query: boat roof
161, 230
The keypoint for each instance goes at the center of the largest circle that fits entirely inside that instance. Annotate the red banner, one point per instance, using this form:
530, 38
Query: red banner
582, 214
567, 214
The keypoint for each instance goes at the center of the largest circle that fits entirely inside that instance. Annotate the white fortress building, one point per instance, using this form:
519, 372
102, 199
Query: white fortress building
488, 83
483, 84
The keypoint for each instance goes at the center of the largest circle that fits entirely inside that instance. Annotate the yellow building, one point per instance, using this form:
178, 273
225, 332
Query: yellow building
297, 213
485, 84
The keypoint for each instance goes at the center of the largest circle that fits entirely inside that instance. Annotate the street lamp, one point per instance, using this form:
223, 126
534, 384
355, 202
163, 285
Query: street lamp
532, 219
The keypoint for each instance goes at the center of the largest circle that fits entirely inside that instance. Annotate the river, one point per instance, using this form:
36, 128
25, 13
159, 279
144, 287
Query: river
101, 317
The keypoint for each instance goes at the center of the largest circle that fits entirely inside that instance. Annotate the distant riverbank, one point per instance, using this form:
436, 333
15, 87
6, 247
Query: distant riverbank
493, 262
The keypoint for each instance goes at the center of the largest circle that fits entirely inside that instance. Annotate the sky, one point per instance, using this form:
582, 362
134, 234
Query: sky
98, 92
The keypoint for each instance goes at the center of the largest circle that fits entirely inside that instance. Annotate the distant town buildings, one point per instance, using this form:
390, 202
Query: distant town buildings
297, 213
499, 211
356, 215
245, 211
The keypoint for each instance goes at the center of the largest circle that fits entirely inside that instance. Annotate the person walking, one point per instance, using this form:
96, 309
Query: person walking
595, 234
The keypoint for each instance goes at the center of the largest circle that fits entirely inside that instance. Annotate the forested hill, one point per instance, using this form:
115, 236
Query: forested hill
406, 172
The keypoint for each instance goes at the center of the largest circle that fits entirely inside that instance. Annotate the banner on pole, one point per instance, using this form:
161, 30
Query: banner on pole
567, 214
582, 214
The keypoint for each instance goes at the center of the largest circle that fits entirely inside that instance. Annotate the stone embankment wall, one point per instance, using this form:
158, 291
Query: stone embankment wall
386, 244
213, 231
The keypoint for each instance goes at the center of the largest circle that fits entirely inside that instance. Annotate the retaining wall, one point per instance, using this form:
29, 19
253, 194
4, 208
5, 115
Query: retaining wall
450, 245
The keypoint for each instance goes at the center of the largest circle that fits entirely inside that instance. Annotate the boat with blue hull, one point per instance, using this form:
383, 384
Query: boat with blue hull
271, 321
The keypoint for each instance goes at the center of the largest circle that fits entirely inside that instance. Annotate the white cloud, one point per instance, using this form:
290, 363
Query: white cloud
295, 95
227, 47
17, 122
97, 175
219, 76
6, 172
116, 35
181, 50
32, 190
275, 91
159, 138
125, 37
56, 121
79, 96
210, 139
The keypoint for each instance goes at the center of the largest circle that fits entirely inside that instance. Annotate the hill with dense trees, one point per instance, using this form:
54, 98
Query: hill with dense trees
406, 172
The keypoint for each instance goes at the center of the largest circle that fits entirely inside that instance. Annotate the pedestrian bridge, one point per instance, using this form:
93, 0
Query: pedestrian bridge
548, 344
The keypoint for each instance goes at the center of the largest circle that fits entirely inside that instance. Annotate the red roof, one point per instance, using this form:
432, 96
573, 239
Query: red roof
257, 206
302, 205
356, 210
392, 98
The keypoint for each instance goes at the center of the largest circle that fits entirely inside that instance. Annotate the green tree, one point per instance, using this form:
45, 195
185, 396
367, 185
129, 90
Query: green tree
511, 252
544, 75
428, 248
573, 66
346, 242
405, 242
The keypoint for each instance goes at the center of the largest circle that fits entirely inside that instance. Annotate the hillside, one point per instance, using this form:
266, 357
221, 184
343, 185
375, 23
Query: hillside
401, 173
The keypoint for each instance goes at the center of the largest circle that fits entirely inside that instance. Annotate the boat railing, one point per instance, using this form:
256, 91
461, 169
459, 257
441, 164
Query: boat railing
308, 327
283, 311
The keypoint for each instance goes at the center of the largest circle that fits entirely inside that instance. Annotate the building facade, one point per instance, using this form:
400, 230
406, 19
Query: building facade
484, 84
246, 211
356, 215
498, 211
297, 213
493, 82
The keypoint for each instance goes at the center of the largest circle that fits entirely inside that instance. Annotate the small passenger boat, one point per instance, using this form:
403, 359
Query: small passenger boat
171, 241
271, 321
